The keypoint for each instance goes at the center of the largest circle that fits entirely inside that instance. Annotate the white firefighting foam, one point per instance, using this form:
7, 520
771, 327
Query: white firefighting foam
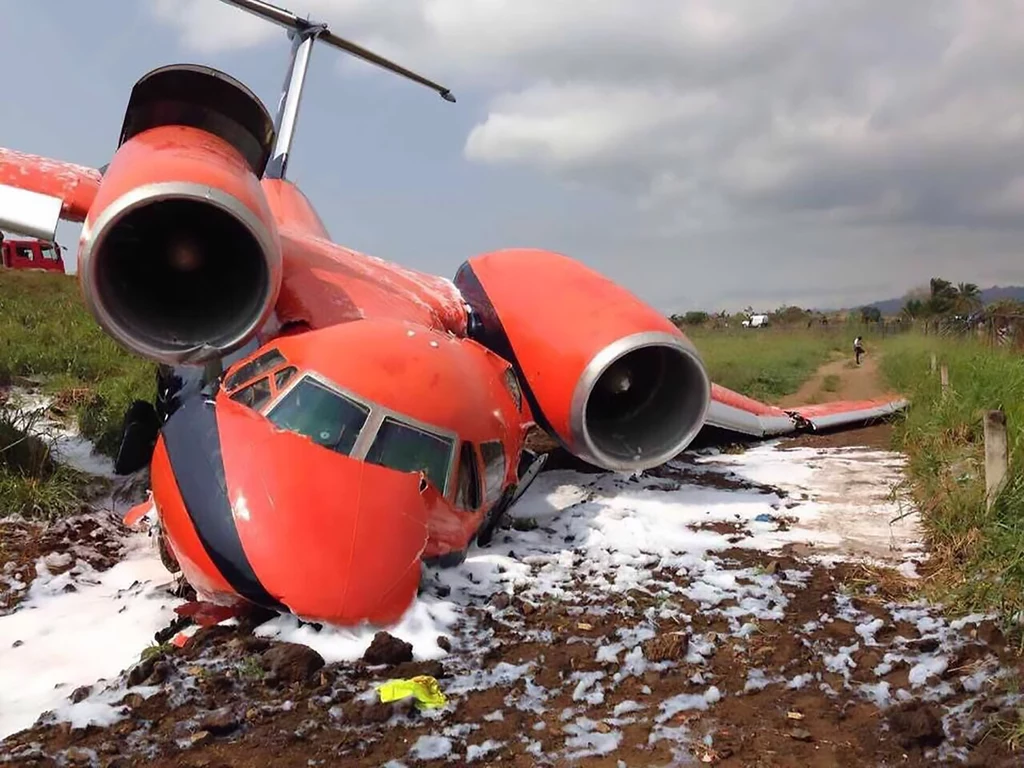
611, 529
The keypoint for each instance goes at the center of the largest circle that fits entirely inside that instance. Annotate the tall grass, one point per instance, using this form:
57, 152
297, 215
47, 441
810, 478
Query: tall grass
48, 337
46, 334
979, 553
766, 363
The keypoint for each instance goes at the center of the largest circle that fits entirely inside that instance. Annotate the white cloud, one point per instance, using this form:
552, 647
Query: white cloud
852, 108
867, 113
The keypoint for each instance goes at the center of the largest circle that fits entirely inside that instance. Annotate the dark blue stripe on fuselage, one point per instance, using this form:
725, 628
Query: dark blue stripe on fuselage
492, 335
193, 446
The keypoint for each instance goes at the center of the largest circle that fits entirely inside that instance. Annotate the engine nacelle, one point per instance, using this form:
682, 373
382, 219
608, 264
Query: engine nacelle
604, 373
180, 259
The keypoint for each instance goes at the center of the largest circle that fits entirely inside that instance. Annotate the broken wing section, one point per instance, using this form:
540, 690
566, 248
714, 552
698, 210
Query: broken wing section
37, 192
847, 413
734, 412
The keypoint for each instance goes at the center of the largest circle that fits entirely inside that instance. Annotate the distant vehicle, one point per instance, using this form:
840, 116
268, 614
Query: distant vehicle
31, 254
756, 321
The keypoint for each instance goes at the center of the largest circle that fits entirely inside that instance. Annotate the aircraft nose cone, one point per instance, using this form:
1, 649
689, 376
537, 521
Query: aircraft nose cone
268, 515
333, 539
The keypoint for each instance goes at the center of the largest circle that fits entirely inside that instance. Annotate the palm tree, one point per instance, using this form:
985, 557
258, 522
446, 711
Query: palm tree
968, 298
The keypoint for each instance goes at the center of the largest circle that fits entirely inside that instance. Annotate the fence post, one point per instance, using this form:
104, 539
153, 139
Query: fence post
995, 455
935, 363
944, 379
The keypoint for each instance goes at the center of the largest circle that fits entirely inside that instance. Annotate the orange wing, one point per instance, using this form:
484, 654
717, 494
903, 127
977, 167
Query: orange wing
36, 192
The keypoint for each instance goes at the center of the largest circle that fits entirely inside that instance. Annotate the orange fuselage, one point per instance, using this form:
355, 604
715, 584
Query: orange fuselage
288, 516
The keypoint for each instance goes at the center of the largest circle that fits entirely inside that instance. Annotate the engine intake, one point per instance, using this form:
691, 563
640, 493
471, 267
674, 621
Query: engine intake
181, 276
180, 259
614, 381
638, 401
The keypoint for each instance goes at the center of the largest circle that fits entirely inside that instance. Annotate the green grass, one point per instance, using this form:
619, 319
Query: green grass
46, 334
766, 363
48, 337
979, 553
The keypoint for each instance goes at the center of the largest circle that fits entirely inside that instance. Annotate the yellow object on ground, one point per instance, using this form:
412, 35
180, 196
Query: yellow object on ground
425, 689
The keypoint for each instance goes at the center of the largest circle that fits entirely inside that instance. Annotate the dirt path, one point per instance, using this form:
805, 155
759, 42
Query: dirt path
841, 379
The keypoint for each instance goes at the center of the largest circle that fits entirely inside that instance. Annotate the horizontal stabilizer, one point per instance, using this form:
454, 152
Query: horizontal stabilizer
734, 412
36, 192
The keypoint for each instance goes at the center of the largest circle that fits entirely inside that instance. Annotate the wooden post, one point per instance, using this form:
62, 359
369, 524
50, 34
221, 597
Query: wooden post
995, 455
935, 363
944, 379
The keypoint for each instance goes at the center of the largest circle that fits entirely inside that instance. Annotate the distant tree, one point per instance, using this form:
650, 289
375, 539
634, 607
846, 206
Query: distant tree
1006, 307
943, 297
870, 314
968, 298
785, 315
914, 309
695, 318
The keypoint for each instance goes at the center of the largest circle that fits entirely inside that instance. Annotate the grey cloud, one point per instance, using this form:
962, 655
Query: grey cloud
813, 143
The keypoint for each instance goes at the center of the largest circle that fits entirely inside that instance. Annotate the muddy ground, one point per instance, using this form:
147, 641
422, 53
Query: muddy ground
747, 659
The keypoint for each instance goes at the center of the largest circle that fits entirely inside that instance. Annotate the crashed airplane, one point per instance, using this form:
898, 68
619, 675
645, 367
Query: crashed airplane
327, 422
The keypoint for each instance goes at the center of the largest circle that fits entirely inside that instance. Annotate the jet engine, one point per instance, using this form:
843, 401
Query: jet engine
604, 373
180, 259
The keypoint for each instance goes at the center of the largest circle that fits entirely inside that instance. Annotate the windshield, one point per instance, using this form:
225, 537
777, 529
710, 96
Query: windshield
321, 414
261, 364
410, 449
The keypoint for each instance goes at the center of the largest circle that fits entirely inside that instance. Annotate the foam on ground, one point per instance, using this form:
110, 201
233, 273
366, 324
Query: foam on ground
75, 629
611, 532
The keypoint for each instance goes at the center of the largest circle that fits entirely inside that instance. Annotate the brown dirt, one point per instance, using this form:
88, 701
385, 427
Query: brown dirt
237, 715
850, 382
91, 539
229, 698
876, 436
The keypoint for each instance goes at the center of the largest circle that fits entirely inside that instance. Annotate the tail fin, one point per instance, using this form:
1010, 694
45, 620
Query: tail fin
37, 192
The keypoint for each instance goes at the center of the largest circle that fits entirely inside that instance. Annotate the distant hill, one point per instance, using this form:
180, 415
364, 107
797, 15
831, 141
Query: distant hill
988, 296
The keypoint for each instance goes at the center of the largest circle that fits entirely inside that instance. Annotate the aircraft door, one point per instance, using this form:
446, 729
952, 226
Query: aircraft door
467, 492
493, 454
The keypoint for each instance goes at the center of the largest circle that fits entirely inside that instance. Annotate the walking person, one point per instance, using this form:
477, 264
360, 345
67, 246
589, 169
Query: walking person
858, 348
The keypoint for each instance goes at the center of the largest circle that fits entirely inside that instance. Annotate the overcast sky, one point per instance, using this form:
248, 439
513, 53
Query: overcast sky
706, 153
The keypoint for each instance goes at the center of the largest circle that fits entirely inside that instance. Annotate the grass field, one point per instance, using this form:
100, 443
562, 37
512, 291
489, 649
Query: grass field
767, 363
48, 337
979, 554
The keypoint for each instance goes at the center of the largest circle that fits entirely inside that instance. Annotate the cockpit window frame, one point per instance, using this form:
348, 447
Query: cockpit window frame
452, 442
260, 365
377, 414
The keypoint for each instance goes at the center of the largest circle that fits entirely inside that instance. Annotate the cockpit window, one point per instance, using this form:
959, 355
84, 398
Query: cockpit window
321, 414
410, 449
255, 395
283, 376
261, 364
